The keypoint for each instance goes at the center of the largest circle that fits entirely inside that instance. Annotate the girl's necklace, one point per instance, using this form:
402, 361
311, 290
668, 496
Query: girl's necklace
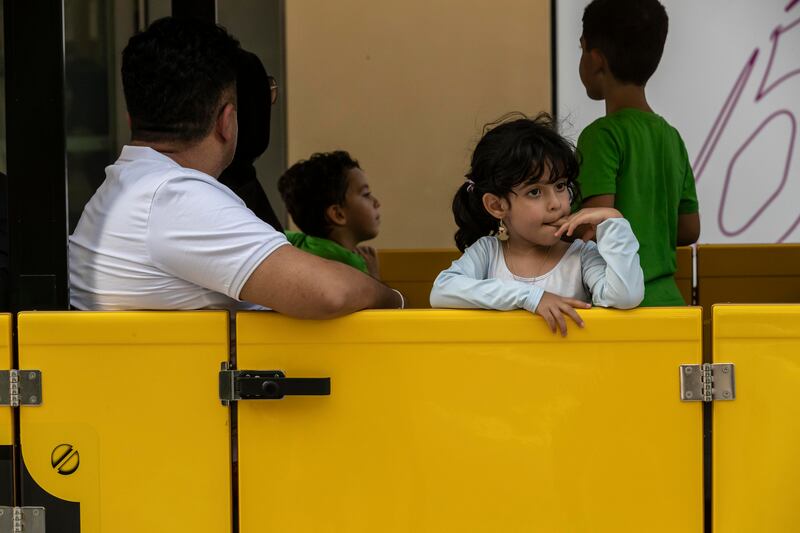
537, 271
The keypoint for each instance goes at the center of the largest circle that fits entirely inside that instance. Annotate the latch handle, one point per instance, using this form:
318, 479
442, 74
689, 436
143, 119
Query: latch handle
235, 385
274, 385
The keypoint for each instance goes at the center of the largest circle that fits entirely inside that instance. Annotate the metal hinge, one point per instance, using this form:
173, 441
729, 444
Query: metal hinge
707, 382
20, 387
235, 385
22, 520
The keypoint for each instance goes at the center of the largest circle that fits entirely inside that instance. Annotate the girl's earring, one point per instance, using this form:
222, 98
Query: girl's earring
502, 232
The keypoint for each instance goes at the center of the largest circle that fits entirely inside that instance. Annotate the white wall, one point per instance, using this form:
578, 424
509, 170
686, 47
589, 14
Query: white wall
748, 176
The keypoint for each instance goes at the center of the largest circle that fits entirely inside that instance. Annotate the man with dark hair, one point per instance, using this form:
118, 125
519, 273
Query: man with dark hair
632, 159
330, 200
161, 232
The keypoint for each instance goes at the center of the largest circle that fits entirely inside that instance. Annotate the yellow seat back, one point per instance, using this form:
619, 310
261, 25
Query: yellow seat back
130, 426
442, 420
757, 436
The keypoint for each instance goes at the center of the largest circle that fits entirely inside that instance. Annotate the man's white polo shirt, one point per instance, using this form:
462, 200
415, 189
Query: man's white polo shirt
156, 235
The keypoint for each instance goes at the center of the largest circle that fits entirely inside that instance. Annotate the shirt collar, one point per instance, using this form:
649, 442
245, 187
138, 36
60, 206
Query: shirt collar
136, 153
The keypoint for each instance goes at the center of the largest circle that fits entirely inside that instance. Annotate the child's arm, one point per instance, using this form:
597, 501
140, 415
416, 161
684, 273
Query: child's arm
688, 208
600, 164
611, 269
464, 285
601, 200
688, 229
371, 259
688, 224
588, 232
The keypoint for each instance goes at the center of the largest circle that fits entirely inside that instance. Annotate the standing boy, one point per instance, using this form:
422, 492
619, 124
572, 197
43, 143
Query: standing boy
632, 159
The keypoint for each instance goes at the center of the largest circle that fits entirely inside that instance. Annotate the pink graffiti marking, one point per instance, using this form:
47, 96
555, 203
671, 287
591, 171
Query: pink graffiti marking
721, 123
739, 152
775, 37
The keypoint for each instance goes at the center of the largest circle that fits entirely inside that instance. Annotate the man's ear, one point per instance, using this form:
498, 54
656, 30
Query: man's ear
495, 205
336, 215
227, 124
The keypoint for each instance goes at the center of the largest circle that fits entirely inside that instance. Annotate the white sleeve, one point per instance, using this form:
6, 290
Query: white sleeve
611, 269
464, 285
205, 235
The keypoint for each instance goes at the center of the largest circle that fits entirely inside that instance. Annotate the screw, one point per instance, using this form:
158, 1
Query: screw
689, 394
34, 399
688, 370
726, 394
36, 512
725, 369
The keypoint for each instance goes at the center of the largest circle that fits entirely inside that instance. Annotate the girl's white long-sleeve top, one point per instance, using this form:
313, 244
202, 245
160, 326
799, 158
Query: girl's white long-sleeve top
607, 274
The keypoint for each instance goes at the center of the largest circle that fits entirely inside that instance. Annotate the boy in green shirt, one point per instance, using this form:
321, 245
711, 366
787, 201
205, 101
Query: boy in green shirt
330, 201
632, 159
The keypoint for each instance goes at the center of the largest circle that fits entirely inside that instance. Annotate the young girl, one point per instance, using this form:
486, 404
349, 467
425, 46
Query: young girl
512, 211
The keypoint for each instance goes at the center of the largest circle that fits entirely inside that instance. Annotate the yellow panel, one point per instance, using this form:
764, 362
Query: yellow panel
445, 420
757, 436
413, 271
135, 393
6, 425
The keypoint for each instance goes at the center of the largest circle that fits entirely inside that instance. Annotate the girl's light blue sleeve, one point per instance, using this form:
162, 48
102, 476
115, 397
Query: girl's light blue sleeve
464, 285
611, 269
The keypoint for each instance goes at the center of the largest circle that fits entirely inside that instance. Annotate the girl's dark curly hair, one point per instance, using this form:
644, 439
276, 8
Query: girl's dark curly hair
514, 150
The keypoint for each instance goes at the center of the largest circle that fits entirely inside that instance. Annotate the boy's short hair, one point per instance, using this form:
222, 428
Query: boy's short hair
174, 75
309, 187
630, 33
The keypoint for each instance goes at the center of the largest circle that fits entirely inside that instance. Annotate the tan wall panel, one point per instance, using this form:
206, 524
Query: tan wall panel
406, 87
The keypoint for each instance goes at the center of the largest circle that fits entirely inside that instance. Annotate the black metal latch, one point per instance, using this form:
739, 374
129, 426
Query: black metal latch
235, 385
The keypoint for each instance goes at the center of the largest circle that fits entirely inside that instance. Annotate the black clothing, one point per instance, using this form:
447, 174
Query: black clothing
254, 106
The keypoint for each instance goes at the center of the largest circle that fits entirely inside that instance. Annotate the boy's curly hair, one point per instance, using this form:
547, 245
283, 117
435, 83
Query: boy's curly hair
310, 186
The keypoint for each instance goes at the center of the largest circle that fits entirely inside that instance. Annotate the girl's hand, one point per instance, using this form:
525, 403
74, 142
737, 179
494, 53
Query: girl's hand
553, 307
589, 216
371, 258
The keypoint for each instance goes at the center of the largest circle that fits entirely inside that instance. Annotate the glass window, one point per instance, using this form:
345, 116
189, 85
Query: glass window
95, 33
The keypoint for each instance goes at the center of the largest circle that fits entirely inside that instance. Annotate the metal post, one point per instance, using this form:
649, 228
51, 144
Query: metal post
36, 153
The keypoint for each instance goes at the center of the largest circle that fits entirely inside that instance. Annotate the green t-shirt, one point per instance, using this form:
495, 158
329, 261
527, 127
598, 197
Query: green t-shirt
638, 157
326, 248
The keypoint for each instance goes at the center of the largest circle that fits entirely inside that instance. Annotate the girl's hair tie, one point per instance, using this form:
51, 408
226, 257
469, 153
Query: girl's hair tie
470, 184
